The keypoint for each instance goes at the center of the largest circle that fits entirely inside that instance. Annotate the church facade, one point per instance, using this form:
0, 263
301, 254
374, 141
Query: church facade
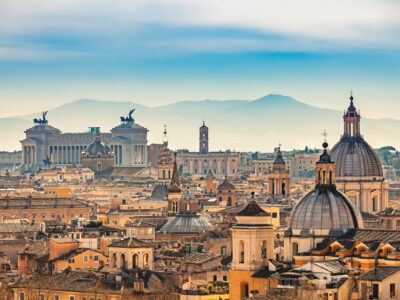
47, 145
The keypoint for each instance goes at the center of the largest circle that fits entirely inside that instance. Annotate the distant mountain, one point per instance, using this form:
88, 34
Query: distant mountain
242, 125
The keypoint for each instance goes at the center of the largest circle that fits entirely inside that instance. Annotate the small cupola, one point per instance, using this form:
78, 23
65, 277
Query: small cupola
325, 168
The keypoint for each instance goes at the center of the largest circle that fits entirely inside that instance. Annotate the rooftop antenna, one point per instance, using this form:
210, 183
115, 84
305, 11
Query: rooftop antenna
204, 122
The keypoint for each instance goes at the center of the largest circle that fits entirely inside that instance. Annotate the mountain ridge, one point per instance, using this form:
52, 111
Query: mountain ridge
244, 125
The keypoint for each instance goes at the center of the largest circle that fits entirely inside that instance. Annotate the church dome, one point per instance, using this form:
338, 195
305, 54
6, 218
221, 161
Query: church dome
325, 208
98, 147
354, 157
186, 224
352, 154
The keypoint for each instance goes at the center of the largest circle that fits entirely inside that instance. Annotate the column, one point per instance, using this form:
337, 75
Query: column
120, 155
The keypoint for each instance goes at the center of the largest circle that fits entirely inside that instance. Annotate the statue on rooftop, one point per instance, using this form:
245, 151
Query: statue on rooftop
129, 118
42, 121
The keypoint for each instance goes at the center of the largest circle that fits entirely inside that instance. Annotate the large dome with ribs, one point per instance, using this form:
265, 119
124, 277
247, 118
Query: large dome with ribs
352, 154
325, 208
354, 157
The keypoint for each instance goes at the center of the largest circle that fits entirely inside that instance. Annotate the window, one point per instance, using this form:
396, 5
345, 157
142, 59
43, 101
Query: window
373, 204
392, 290
41, 297
274, 215
225, 278
375, 291
56, 297
71, 297
96, 258
215, 278
241, 252
223, 250
85, 258
22, 296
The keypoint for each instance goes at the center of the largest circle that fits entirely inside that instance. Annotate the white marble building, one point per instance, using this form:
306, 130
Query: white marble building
46, 144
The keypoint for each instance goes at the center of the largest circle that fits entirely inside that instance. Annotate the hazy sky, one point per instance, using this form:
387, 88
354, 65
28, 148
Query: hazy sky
156, 52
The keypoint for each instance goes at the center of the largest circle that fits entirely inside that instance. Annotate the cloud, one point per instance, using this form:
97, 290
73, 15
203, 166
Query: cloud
302, 25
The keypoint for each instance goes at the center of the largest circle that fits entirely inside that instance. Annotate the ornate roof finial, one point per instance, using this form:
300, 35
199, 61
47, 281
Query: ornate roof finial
324, 134
325, 157
165, 134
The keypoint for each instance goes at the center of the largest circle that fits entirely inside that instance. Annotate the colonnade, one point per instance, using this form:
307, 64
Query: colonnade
29, 155
66, 154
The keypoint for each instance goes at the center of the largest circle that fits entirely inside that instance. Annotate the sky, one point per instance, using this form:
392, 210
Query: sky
156, 52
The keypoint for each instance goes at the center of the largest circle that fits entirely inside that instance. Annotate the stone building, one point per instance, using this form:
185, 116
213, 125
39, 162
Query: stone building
358, 168
279, 178
226, 194
221, 164
322, 213
253, 247
389, 219
98, 156
210, 185
42, 208
45, 144
131, 253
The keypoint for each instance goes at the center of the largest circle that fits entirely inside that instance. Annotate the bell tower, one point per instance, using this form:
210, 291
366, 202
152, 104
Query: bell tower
174, 193
252, 248
351, 120
203, 147
165, 161
279, 178
325, 168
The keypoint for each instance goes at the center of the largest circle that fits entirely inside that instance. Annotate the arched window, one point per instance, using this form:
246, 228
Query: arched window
374, 204
175, 206
169, 174
295, 249
229, 201
220, 199
283, 189
163, 174
145, 260
324, 177
188, 207
241, 252
135, 261
123, 261
264, 249
99, 166
330, 177
114, 260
